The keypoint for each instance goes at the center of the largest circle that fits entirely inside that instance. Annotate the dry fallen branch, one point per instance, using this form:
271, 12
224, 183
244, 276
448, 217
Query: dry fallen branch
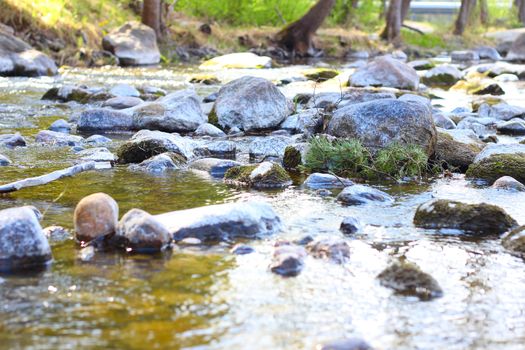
47, 178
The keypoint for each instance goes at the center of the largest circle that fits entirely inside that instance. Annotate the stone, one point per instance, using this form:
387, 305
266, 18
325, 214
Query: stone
488, 53
97, 140
457, 149
250, 103
350, 226
146, 144
190, 241
387, 72
517, 50
217, 149
76, 93
320, 74
361, 194
105, 119
503, 111
4, 161
242, 249
337, 250
53, 138
223, 222
12, 140
98, 154
421, 64
288, 260
497, 160
466, 55
406, 278
442, 121
399, 55
238, 61
124, 90
214, 166
272, 146
206, 79
455, 217
57, 233
442, 76
512, 127
488, 89
514, 242
308, 122
158, 164
208, 129
347, 344
141, 232
17, 58
23, 245
265, 175
60, 125
381, 123
86, 254
318, 180
95, 216
294, 155
509, 184
122, 102
506, 78
133, 44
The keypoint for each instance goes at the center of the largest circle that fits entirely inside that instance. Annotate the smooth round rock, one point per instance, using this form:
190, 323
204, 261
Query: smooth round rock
95, 215
508, 183
143, 232
361, 194
350, 226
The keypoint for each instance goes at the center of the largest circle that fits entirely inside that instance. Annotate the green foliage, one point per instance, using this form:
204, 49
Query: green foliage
427, 41
366, 15
350, 158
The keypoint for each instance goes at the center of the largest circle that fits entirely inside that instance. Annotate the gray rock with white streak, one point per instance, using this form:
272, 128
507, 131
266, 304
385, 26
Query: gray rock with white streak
208, 129
361, 194
318, 180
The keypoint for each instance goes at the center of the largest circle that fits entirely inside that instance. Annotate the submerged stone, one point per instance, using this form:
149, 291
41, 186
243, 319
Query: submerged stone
214, 166
361, 194
407, 279
334, 249
95, 215
318, 180
4, 161
159, 163
288, 260
142, 232
57, 233
478, 219
242, 249
53, 138
12, 140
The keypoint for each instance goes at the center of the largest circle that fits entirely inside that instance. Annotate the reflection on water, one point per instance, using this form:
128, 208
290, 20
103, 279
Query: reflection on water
193, 298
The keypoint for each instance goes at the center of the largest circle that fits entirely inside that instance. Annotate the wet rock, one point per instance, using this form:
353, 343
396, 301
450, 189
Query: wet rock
124, 90
17, 58
12, 140
488, 53
383, 122
350, 226
506, 78
86, 254
442, 121
122, 102
273, 146
53, 138
190, 241
215, 167
211, 98
361, 194
457, 149
217, 149
517, 50
347, 344
158, 164
205, 79
308, 122
60, 125
503, 111
477, 219
288, 260
142, 232
480, 126
95, 215
334, 249
421, 64
223, 222
318, 180
320, 74
508, 183
238, 61
462, 56
102, 119
444, 76
294, 155
387, 72
4, 161
514, 242
512, 127
99, 154
242, 249
97, 140
57, 233
80, 94
497, 160
208, 129
250, 103
23, 245
133, 44
407, 279
488, 89
146, 144
263, 175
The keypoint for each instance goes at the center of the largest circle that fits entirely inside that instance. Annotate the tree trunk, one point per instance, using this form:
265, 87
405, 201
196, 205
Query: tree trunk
520, 4
151, 15
464, 14
298, 36
405, 9
394, 15
483, 12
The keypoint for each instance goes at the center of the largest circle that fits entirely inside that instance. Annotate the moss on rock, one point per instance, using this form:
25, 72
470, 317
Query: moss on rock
136, 152
514, 242
320, 74
492, 168
292, 158
263, 175
455, 155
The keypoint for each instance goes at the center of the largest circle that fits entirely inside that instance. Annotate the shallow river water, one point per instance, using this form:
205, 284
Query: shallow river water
206, 298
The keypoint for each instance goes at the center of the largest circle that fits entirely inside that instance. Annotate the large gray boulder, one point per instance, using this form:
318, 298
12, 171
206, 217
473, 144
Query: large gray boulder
134, 44
383, 122
517, 50
457, 149
18, 58
23, 244
250, 103
444, 76
388, 72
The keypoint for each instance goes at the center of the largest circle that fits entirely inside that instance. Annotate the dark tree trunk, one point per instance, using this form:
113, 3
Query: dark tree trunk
392, 29
405, 9
483, 12
298, 36
464, 14
152, 15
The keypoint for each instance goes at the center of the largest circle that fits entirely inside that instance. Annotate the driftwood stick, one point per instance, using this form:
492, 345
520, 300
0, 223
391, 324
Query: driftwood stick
47, 178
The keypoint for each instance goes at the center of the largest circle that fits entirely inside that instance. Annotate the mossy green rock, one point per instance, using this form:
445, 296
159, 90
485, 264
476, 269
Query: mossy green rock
454, 154
263, 175
514, 241
478, 219
492, 168
407, 279
320, 74
292, 158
